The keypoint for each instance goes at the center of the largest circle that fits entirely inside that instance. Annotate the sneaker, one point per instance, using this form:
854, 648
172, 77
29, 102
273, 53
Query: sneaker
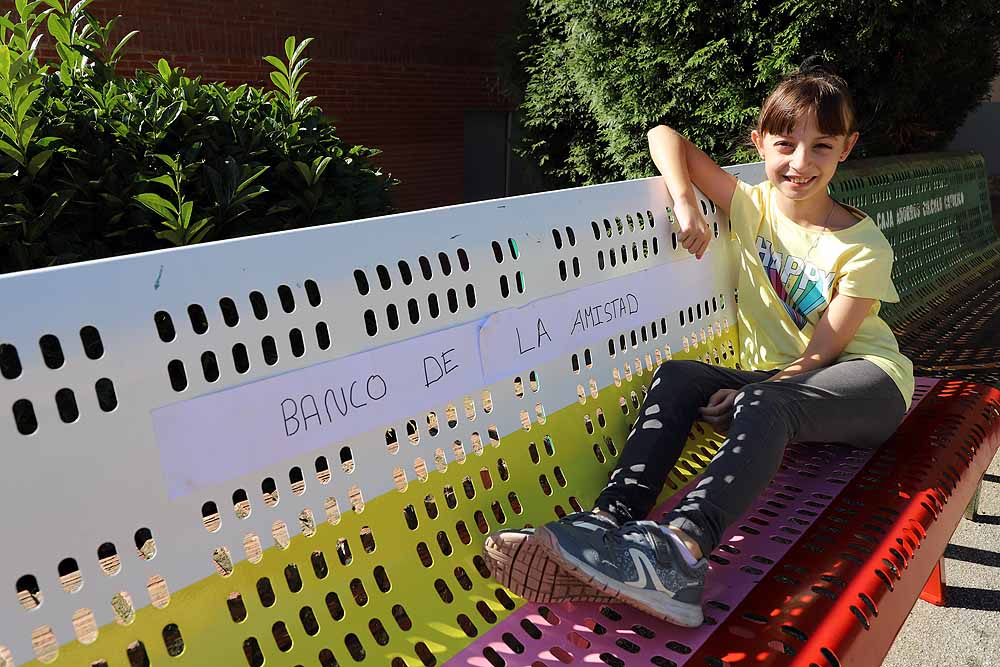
516, 561
637, 564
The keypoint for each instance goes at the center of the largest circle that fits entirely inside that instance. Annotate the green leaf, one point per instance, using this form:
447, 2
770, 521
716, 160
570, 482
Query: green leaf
296, 73
163, 67
25, 82
58, 28
320, 165
277, 64
79, 7
32, 6
187, 209
37, 162
28, 131
166, 180
298, 80
289, 47
198, 225
198, 230
85, 51
302, 105
5, 61
24, 104
55, 204
8, 130
170, 235
158, 205
113, 58
250, 194
253, 178
170, 114
167, 160
305, 171
281, 82
300, 49
34, 46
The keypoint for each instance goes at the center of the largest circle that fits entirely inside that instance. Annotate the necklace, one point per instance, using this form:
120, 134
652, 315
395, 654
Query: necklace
819, 236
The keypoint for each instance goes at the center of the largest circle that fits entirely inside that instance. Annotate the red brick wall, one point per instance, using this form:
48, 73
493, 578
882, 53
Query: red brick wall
395, 75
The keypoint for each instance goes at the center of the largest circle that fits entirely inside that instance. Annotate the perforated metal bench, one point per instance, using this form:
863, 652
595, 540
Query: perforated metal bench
286, 450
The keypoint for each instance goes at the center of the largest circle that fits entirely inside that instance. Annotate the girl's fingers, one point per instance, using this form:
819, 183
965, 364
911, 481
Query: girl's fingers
719, 425
701, 246
714, 410
718, 397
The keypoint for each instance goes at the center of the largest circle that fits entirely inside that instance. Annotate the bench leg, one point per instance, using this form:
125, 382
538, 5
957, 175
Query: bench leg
972, 510
936, 589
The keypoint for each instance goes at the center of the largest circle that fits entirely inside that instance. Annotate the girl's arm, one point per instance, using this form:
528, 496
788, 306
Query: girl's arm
833, 332
681, 163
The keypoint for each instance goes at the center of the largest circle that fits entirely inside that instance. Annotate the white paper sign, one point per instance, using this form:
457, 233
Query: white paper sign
520, 338
214, 438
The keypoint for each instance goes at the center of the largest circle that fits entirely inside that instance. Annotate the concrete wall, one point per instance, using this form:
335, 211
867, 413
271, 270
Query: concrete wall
981, 132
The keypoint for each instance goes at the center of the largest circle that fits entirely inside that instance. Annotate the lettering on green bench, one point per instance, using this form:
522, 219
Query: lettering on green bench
919, 209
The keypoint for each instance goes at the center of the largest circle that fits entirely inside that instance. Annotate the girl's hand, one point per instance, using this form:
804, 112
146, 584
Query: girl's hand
695, 233
719, 411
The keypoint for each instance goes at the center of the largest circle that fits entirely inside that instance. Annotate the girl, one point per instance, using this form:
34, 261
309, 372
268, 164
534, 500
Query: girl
821, 365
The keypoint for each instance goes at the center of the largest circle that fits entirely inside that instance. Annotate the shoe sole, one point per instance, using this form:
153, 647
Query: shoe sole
526, 569
653, 603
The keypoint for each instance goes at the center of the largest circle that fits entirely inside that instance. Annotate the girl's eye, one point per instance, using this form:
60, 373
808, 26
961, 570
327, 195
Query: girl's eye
823, 146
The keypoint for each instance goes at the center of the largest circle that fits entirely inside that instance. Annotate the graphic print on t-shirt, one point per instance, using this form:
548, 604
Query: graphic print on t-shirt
802, 286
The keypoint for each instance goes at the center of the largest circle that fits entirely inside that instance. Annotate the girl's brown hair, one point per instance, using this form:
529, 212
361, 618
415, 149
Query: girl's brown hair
815, 89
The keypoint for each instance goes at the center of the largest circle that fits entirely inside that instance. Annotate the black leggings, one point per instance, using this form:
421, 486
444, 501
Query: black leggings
853, 402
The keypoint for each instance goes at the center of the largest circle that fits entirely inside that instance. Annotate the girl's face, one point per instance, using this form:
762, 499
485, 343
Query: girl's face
802, 163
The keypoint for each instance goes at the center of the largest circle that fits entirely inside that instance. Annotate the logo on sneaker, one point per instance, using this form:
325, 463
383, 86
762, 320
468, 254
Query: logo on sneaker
646, 573
589, 526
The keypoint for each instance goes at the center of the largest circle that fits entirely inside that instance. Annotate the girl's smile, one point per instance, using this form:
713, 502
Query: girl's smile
799, 181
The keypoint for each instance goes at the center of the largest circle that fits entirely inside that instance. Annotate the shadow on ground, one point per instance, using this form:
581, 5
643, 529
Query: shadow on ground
973, 555
973, 598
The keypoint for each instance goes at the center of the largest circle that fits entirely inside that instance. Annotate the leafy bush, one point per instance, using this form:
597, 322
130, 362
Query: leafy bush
94, 164
597, 74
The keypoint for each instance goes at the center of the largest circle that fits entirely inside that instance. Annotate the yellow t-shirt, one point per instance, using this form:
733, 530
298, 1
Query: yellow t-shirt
787, 278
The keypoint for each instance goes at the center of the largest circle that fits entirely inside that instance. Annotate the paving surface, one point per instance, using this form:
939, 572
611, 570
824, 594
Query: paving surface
965, 633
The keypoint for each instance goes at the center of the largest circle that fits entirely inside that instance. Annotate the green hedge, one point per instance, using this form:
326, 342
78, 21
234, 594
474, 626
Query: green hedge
597, 74
95, 164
